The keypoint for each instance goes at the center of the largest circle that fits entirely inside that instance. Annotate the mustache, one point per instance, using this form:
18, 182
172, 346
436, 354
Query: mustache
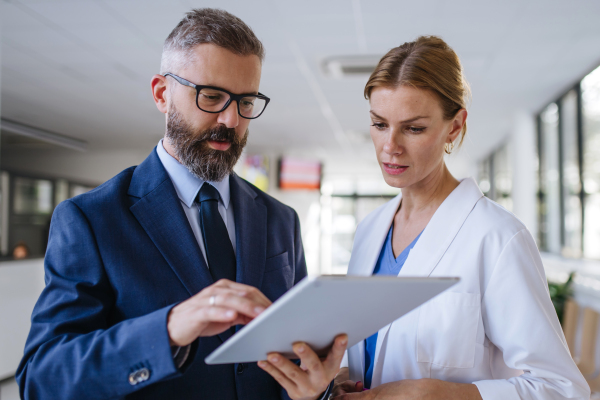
193, 151
219, 133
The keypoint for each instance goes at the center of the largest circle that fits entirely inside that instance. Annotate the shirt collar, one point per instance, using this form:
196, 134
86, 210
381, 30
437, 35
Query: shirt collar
186, 184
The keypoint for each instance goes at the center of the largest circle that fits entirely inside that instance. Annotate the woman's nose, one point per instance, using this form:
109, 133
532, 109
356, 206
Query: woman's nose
391, 145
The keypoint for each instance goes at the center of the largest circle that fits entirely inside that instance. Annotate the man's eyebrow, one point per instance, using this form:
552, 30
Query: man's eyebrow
402, 122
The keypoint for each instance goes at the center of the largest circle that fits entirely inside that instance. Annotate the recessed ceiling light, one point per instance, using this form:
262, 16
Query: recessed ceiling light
350, 66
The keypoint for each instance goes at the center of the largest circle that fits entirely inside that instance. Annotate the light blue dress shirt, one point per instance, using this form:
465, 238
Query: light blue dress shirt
187, 187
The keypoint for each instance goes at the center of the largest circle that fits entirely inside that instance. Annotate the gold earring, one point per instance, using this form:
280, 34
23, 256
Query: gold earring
448, 147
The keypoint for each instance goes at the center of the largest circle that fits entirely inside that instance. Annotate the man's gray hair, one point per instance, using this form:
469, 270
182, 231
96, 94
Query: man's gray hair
208, 25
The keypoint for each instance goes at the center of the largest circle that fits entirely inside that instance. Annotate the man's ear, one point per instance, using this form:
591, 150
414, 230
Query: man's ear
159, 92
458, 122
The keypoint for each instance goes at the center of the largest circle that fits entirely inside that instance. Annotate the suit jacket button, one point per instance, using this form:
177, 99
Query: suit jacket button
241, 368
139, 376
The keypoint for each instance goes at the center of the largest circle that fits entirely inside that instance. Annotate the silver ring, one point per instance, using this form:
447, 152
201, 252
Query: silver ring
212, 300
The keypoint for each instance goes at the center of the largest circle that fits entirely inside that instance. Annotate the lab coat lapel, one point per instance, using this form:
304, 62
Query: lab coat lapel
366, 249
362, 263
250, 232
431, 246
158, 211
442, 229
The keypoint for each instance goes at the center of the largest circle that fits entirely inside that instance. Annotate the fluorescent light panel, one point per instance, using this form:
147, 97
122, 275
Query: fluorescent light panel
43, 135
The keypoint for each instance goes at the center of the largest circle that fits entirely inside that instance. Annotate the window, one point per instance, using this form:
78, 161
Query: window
495, 177
345, 202
27, 206
502, 180
590, 96
549, 207
569, 171
570, 176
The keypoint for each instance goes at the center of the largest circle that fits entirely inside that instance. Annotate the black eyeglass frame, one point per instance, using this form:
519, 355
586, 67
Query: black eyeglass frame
232, 96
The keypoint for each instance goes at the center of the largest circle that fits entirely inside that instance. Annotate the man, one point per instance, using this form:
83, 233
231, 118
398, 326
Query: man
147, 274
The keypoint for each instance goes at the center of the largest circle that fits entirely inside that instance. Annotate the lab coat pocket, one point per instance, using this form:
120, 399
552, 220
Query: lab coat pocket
447, 330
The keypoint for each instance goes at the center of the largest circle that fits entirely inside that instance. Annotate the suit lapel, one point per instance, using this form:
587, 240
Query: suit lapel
158, 211
250, 232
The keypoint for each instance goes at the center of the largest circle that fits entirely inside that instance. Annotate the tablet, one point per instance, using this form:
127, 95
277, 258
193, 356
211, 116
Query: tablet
319, 308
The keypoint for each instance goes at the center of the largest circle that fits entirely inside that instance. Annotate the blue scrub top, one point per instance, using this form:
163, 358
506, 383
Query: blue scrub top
386, 265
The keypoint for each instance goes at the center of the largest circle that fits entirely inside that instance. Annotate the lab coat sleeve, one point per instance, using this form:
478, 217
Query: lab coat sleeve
344, 363
519, 319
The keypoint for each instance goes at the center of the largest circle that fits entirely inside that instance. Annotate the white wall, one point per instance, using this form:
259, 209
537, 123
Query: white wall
21, 283
522, 147
524, 159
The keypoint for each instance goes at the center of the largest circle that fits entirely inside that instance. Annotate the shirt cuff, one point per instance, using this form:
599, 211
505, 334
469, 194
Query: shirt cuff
180, 355
497, 389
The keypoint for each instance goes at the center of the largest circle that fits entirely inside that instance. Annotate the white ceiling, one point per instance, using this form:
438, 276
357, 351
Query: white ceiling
82, 68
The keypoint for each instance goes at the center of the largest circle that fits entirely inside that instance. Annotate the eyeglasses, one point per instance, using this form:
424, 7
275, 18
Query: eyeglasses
214, 100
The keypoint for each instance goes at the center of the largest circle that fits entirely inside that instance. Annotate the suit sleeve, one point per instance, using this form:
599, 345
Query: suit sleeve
73, 351
300, 270
521, 322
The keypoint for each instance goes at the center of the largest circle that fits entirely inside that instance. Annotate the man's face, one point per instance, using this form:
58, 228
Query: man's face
208, 144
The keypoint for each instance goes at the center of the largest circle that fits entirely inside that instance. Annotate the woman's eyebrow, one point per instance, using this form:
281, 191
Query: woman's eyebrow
414, 119
402, 122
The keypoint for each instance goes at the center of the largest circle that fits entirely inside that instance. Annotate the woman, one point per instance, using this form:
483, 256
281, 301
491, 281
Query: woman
494, 335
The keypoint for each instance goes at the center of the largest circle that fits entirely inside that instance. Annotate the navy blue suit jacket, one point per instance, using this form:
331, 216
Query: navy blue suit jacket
119, 258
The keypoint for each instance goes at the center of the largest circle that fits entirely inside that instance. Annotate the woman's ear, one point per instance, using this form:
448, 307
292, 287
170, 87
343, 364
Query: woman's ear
159, 92
458, 122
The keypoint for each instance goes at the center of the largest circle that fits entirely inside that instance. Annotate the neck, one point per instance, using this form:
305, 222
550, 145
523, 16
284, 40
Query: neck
166, 143
428, 194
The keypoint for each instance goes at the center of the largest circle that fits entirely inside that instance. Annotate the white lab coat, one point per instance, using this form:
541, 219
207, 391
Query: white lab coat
497, 328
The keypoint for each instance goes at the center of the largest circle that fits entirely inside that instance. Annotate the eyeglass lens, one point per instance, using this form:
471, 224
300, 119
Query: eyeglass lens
213, 100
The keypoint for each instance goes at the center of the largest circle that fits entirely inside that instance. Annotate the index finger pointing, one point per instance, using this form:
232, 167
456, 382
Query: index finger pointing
249, 291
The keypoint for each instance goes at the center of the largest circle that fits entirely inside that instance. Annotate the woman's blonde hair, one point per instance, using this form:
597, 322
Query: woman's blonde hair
427, 63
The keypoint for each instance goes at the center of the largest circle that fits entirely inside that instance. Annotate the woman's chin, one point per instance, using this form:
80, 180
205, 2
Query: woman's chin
395, 181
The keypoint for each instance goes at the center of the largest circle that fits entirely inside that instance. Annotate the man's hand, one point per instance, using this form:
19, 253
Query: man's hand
312, 377
422, 389
232, 304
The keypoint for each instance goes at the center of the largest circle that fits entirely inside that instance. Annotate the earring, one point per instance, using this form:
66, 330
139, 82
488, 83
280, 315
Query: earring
448, 147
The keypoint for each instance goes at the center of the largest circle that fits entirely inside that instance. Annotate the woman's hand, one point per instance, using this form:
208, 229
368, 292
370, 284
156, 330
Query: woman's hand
309, 380
422, 389
342, 384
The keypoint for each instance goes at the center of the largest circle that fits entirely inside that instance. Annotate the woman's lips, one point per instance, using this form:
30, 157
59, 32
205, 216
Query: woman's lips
394, 169
217, 145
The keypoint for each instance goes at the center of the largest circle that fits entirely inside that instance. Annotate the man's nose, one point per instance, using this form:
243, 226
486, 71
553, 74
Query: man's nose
229, 117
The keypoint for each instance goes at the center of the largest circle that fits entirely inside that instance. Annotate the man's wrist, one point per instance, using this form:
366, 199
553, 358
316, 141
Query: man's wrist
325, 395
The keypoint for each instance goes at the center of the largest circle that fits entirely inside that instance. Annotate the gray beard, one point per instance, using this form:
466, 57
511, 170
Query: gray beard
193, 152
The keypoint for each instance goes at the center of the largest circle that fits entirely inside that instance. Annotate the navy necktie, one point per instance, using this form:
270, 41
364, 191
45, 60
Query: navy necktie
217, 245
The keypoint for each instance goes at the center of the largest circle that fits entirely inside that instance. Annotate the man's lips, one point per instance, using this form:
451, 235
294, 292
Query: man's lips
219, 145
394, 169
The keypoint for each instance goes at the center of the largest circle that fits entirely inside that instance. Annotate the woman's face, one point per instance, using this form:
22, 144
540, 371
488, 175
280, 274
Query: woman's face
409, 133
